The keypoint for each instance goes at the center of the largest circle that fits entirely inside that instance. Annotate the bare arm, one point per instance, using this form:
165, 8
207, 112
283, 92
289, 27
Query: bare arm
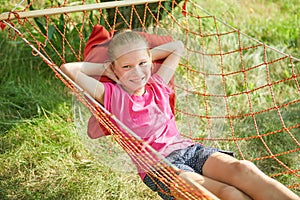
171, 52
80, 73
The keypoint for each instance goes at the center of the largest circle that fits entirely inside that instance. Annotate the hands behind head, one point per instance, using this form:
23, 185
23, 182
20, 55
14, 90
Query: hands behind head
109, 72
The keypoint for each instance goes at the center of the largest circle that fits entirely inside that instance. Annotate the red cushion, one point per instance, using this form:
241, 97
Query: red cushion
96, 51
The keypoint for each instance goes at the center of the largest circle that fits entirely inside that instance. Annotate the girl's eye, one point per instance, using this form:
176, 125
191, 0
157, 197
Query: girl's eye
144, 63
126, 67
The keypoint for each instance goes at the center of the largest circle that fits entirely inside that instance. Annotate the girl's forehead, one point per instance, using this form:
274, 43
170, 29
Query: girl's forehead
131, 47
133, 56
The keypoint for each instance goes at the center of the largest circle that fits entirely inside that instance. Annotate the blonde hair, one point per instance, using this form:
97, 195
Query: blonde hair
125, 38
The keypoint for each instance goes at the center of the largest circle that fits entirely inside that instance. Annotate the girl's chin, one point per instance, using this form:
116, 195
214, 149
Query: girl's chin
134, 90
138, 91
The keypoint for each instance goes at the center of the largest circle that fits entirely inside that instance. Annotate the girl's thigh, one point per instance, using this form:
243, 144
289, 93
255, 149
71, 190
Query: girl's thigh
219, 189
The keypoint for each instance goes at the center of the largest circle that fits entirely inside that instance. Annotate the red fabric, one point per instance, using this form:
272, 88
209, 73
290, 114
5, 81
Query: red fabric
96, 51
184, 11
2, 26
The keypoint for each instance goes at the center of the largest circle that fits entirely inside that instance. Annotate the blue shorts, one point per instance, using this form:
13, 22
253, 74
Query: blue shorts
190, 159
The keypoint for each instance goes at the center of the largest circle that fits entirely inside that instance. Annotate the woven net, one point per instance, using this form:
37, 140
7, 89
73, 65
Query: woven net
232, 91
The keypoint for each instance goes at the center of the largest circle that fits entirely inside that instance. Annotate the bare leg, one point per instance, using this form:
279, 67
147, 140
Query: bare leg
221, 190
245, 176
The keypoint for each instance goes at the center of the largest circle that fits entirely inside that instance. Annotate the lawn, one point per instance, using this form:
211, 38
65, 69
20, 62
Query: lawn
42, 153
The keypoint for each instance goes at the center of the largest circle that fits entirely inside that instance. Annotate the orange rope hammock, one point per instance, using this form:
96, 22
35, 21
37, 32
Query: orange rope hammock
232, 91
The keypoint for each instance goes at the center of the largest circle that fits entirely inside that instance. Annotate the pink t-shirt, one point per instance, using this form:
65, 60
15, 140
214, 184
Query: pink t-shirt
149, 116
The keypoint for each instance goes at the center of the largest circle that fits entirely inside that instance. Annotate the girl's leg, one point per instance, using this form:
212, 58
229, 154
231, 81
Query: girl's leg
221, 190
245, 176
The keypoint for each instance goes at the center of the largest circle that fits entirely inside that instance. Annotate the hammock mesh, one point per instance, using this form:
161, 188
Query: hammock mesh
232, 91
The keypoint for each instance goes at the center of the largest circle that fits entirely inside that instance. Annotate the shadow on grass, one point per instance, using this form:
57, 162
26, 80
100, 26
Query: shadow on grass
27, 85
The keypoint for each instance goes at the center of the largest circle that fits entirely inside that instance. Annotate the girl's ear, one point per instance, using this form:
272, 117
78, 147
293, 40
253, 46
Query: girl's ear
149, 53
112, 66
152, 68
152, 64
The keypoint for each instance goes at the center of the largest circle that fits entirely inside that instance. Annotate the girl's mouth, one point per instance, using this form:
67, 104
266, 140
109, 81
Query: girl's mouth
137, 80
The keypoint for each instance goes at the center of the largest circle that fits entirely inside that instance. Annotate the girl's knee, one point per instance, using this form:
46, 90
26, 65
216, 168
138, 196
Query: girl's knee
246, 170
244, 166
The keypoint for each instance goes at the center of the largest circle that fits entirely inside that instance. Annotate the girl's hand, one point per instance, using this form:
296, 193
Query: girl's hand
109, 72
172, 53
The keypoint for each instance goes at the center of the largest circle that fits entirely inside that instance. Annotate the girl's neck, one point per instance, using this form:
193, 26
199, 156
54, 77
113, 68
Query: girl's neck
139, 92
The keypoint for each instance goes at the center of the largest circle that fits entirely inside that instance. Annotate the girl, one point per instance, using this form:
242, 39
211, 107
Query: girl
141, 101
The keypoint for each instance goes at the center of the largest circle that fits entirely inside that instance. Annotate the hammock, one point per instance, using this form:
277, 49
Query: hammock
230, 89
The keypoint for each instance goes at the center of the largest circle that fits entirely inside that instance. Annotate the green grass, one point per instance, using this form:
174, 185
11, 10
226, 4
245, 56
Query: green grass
273, 22
43, 158
42, 155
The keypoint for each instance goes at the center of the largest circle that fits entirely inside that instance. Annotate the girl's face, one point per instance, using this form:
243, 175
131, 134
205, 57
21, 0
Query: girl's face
133, 70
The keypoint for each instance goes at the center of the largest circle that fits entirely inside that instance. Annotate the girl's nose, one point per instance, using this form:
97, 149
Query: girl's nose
137, 70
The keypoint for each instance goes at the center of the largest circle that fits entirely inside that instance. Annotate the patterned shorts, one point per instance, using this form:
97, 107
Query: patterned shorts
190, 159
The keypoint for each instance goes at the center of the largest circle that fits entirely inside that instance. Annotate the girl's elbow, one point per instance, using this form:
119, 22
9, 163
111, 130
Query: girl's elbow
66, 67
70, 67
180, 47
70, 70
63, 68
180, 44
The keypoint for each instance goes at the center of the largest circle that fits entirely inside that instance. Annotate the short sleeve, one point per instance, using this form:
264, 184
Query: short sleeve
158, 80
108, 91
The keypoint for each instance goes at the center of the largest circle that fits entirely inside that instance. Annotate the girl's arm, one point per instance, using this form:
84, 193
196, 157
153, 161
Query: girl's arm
97, 69
171, 52
80, 73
